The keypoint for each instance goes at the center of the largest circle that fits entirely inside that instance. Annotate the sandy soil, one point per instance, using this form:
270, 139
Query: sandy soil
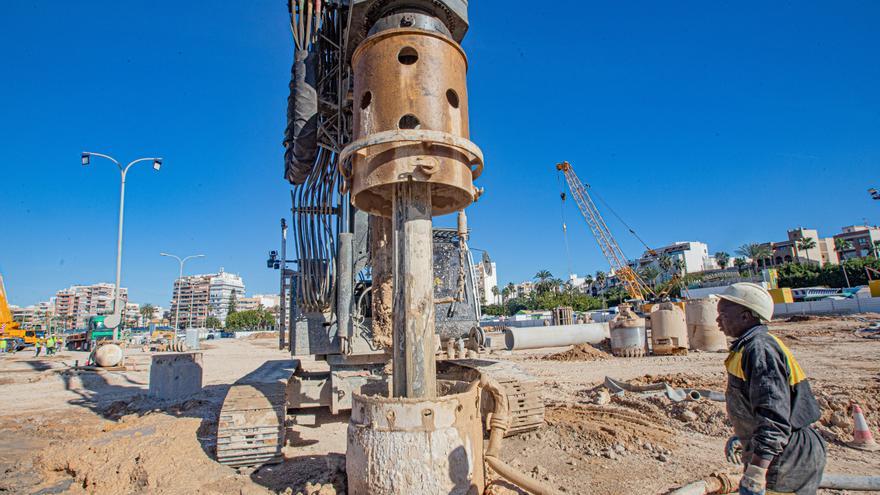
63, 431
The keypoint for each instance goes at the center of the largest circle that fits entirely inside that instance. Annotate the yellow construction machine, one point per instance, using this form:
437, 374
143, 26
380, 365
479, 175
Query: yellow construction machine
9, 327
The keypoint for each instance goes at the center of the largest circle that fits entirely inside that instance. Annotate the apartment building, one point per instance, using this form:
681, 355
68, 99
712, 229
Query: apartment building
485, 281
693, 257
74, 305
205, 295
790, 251
859, 241
36, 316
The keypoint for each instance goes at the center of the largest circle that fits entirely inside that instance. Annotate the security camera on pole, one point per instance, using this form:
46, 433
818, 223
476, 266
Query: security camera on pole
113, 321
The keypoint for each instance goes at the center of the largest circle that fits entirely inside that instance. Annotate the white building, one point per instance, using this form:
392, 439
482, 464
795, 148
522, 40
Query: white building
694, 257
223, 287
485, 281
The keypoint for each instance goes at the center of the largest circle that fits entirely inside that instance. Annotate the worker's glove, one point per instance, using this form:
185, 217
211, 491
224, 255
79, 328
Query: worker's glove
754, 481
733, 450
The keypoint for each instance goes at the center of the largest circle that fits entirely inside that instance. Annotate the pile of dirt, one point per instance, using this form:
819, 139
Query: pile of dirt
580, 352
262, 335
836, 423
595, 429
797, 318
155, 453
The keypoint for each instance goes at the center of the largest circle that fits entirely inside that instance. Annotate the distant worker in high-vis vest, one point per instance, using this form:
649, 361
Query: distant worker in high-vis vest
769, 401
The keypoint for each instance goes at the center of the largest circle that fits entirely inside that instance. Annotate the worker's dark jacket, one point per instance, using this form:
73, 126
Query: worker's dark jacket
771, 407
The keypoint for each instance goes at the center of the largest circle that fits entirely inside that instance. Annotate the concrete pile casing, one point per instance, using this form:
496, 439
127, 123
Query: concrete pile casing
628, 334
704, 334
669, 333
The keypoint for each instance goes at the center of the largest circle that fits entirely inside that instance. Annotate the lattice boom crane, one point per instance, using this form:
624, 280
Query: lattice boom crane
634, 284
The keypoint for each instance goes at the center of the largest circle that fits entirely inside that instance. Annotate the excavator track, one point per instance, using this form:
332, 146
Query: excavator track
251, 426
526, 408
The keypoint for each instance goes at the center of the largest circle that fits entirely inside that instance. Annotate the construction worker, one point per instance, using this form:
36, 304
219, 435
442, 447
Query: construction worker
37, 346
769, 401
50, 345
3, 345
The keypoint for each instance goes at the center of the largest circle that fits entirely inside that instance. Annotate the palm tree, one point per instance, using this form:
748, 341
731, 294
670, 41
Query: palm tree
601, 278
841, 245
805, 245
680, 267
665, 262
756, 252
147, 312
648, 272
543, 280
505, 293
722, 259
495, 293
739, 263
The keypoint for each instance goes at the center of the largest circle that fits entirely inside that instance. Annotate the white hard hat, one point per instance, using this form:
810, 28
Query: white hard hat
753, 297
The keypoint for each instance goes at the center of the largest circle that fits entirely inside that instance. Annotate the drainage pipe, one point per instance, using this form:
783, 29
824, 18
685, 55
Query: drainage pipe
723, 483
498, 426
555, 335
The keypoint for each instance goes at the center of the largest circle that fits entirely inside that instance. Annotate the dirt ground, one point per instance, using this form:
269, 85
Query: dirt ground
64, 431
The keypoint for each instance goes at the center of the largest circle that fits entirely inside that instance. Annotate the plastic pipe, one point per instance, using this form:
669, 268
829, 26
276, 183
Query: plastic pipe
850, 482
555, 335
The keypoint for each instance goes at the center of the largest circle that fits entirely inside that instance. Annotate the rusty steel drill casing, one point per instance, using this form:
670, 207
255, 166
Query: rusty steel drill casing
411, 121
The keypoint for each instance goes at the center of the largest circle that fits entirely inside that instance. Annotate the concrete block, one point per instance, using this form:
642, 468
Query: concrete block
176, 375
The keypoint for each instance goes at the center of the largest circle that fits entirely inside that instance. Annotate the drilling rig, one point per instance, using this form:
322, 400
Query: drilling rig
377, 144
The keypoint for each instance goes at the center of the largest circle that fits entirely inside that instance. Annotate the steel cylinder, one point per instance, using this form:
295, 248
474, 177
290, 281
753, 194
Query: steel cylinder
668, 329
403, 445
628, 336
555, 336
411, 121
704, 334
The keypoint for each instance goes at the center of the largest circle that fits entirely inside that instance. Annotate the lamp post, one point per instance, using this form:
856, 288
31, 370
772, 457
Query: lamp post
180, 276
116, 318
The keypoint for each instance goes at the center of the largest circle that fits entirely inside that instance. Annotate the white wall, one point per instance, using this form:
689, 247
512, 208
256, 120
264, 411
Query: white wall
828, 306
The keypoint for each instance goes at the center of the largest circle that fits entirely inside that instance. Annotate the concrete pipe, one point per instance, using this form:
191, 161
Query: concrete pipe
108, 355
414, 445
555, 336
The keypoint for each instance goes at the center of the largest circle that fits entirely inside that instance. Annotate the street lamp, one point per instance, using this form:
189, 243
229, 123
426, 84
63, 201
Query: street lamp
115, 319
180, 276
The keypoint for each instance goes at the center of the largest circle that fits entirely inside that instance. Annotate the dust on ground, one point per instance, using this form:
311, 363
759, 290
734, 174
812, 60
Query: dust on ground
69, 431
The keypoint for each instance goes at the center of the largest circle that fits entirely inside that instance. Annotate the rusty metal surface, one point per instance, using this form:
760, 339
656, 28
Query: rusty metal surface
411, 121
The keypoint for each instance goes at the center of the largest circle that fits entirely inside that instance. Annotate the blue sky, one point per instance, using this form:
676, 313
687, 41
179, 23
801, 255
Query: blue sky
720, 122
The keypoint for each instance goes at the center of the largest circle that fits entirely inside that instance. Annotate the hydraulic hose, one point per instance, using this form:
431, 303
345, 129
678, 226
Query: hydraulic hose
723, 483
497, 427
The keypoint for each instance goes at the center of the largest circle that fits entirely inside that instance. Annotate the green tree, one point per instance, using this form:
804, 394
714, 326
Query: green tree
722, 258
543, 281
650, 273
805, 245
251, 319
213, 322
495, 292
147, 312
601, 278
233, 302
664, 262
841, 245
740, 264
756, 252
680, 267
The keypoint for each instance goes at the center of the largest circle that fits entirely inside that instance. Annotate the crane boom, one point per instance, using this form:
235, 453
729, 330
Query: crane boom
632, 282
